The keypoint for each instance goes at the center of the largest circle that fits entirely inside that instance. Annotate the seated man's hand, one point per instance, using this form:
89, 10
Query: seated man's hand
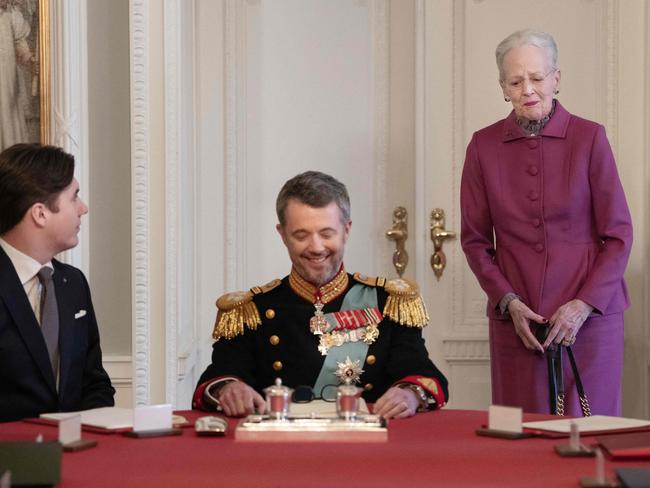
238, 399
397, 403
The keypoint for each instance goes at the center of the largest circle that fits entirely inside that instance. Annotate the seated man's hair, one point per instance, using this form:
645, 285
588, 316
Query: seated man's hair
315, 189
31, 173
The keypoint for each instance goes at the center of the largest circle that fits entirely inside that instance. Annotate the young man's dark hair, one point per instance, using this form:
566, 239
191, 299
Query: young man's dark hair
31, 173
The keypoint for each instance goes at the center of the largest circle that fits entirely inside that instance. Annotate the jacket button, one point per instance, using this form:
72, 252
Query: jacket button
539, 247
533, 170
277, 365
536, 222
532, 143
270, 313
368, 386
274, 340
533, 195
371, 359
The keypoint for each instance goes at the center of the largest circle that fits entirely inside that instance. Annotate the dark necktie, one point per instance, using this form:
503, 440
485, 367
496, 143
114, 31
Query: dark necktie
49, 316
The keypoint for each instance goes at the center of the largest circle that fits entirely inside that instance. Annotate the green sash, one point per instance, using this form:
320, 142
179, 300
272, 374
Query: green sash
358, 297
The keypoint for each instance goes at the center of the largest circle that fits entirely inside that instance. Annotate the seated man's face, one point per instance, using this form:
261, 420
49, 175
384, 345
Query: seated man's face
315, 239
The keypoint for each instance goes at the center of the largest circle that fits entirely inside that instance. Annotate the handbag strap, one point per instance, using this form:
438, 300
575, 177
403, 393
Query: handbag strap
555, 379
584, 403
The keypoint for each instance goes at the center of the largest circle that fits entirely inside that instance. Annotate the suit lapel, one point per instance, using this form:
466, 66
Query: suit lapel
15, 299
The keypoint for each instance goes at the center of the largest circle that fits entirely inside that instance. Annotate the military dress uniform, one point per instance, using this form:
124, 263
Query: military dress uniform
366, 329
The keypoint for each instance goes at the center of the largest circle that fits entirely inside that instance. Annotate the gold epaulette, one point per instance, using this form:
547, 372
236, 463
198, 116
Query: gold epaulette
404, 304
237, 310
266, 288
369, 281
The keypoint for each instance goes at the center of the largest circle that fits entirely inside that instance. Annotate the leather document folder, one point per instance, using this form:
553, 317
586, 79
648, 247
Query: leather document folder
635, 445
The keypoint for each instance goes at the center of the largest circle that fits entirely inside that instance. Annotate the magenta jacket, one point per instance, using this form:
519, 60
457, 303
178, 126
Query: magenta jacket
545, 216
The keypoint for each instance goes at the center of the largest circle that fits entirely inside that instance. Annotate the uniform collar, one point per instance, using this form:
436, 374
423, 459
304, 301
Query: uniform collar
326, 293
26, 266
556, 127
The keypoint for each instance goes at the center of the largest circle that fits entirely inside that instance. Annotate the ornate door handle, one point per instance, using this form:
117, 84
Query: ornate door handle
399, 234
438, 236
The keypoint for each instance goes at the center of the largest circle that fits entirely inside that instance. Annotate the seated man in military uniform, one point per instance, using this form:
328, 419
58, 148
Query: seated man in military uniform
321, 326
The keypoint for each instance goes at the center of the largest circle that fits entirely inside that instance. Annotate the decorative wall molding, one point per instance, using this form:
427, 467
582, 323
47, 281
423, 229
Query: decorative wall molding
185, 362
235, 58
140, 154
70, 102
119, 369
378, 12
172, 47
472, 321
611, 19
471, 310
467, 349
420, 134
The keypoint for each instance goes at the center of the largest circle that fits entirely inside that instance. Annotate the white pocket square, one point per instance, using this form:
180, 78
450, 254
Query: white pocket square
79, 314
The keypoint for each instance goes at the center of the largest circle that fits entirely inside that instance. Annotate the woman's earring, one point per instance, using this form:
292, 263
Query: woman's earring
557, 91
507, 99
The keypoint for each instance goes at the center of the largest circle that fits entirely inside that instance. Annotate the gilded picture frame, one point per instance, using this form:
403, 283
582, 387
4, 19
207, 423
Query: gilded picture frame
25, 72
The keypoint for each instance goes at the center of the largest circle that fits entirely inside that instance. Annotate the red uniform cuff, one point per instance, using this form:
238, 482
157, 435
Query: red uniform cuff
198, 400
429, 385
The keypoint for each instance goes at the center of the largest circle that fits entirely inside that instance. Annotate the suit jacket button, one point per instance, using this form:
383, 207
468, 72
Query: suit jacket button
270, 313
533, 170
368, 386
532, 143
274, 340
371, 359
539, 247
536, 222
533, 195
277, 365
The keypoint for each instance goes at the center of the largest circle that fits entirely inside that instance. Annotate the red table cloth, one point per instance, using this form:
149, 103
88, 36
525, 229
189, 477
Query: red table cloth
431, 449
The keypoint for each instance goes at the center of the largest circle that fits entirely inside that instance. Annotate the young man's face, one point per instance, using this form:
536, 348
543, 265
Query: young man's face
315, 239
63, 226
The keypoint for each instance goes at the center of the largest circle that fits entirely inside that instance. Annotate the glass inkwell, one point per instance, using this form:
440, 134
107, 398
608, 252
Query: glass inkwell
347, 400
278, 399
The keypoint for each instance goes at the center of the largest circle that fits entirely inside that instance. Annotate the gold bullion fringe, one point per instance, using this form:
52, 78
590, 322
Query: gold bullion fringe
230, 323
407, 310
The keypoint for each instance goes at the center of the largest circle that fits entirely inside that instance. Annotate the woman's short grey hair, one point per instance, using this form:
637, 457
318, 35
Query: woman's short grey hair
527, 37
315, 189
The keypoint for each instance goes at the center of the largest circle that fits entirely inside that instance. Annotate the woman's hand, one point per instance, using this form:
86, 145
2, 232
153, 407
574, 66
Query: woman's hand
521, 316
566, 322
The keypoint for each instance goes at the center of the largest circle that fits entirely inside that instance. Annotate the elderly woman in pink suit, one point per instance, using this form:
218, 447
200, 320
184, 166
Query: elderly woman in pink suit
547, 231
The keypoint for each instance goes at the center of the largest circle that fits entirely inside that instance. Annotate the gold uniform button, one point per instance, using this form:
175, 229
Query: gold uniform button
371, 359
277, 365
270, 313
368, 386
274, 340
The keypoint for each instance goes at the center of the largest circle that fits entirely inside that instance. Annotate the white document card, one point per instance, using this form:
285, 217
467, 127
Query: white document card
70, 429
507, 419
152, 417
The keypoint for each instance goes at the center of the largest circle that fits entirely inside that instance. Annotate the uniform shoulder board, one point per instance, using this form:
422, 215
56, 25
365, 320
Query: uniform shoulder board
266, 288
369, 280
235, 310
404, 304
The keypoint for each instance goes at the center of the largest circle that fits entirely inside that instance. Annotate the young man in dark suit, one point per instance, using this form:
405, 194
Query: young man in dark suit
50, 358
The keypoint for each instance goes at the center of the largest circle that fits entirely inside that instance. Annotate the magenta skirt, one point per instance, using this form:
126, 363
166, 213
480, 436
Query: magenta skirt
520, 376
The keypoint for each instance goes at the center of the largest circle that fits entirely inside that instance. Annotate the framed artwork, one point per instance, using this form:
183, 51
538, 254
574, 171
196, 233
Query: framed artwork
24, 72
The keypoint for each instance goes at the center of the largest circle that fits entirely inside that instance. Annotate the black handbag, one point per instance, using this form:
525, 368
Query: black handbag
555, 378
